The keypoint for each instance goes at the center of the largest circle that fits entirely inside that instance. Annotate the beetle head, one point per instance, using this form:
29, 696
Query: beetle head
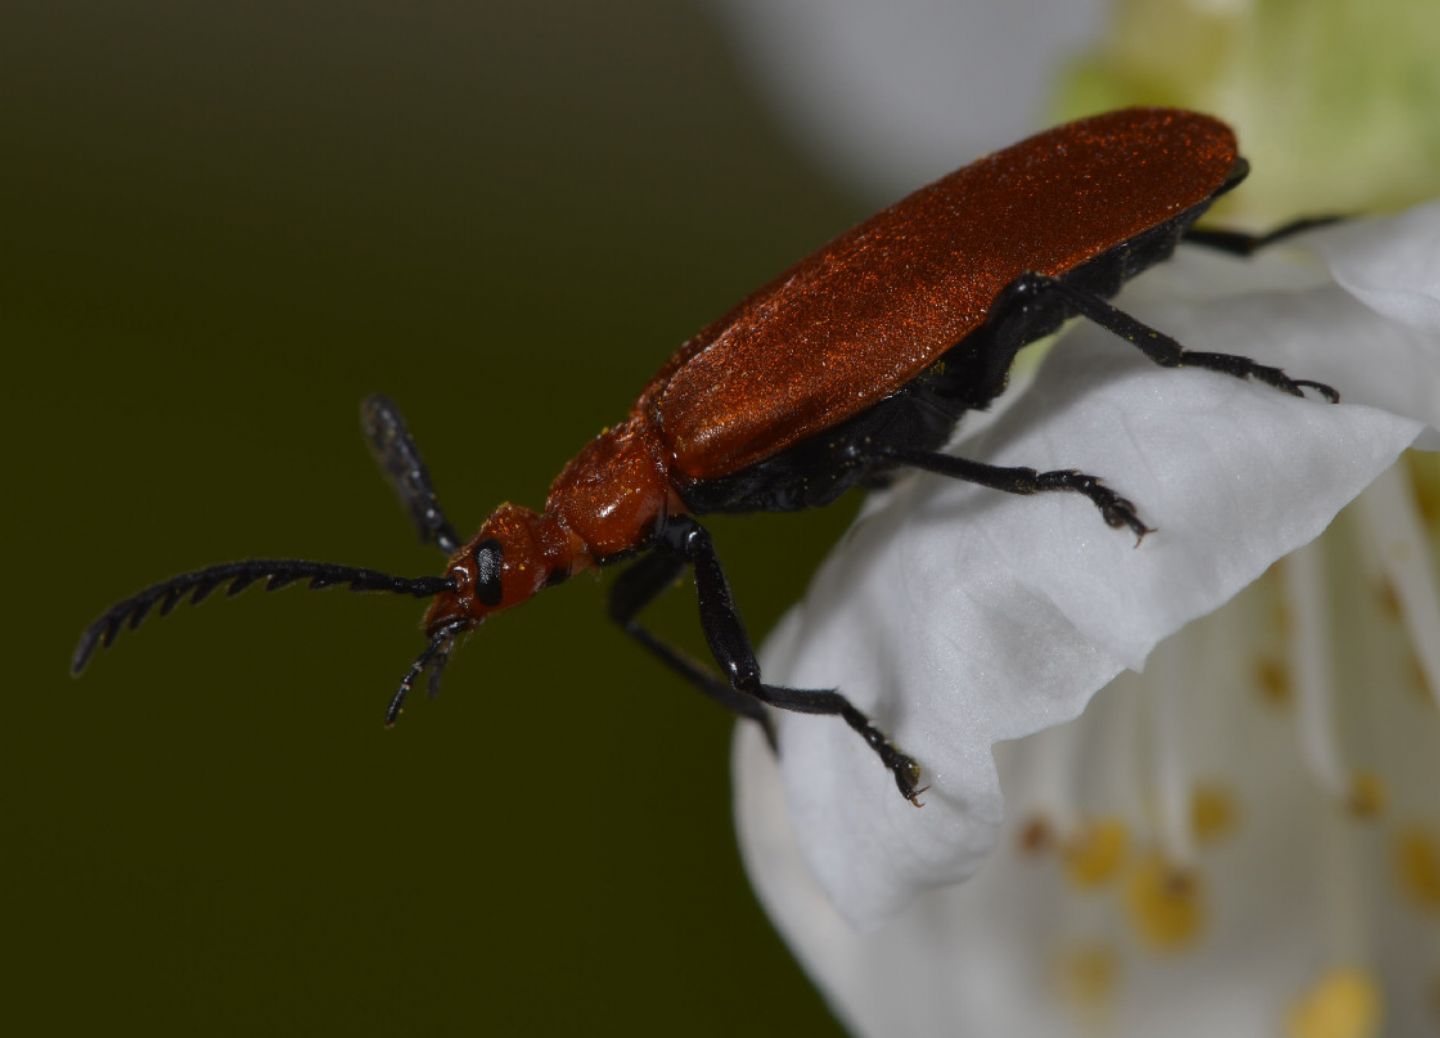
515, 554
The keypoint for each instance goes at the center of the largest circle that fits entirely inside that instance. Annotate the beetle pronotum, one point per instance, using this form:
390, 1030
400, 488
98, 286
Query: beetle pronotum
857, 361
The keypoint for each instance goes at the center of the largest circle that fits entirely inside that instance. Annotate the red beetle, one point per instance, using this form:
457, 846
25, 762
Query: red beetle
857, 361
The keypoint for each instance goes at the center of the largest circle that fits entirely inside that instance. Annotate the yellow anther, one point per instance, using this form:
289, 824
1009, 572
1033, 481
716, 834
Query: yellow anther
1087, 975
1417, 859
1165, 904
1367, 795
1094, 853
1345, 1003
1273, 679
1213, 814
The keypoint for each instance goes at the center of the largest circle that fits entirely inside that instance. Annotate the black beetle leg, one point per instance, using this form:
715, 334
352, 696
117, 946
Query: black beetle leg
1158, 346
636, 588
394, 449
1116, 510
1241, 243
731, 646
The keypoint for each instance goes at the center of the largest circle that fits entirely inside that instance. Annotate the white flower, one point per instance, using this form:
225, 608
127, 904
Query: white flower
961, 618
1244, 839
889, 94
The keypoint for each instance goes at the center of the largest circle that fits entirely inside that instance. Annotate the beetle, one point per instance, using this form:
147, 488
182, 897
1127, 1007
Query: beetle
856, 362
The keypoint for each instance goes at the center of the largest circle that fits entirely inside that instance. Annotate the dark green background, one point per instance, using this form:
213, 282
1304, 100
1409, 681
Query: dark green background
218, 231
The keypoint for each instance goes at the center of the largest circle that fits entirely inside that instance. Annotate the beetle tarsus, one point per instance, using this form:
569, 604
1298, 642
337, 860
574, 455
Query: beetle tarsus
1244, 367
907, 773
915, 795
1117, 511
904, 767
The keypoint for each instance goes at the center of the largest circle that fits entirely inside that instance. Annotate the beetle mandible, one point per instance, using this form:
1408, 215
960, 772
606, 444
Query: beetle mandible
856, 362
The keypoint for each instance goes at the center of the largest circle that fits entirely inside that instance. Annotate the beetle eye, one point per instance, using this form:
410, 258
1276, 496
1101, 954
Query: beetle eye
487, 572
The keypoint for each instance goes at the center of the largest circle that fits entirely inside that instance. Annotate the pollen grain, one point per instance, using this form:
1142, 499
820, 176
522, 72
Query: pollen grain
1094, 854
1344, 1003
1165, 904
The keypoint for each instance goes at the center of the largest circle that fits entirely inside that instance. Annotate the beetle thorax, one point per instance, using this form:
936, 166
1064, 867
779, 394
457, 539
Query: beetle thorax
614, 491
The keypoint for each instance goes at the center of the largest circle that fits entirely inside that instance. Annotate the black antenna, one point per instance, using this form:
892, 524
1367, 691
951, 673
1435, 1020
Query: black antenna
276, 573
438, 653
399, 458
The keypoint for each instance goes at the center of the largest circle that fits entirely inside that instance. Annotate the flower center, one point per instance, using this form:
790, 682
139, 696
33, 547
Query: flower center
1139, 813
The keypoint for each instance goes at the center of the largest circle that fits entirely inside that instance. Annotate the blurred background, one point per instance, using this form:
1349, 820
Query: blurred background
224, 226
220, 227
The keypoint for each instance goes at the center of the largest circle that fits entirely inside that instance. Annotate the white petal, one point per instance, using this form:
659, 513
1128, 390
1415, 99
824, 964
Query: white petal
1390, 264
896, 94
959, 616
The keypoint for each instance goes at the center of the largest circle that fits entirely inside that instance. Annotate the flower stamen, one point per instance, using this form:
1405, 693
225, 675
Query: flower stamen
1302, 578
1094, 853
1391, 518
1213, 814
1417, 860
1088, 975
1166, 681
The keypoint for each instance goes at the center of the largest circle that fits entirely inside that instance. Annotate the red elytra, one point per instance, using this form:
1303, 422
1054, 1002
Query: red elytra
857, 361
867, 313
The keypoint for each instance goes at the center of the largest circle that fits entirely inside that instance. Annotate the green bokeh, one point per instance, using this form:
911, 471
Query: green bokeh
1334, 101
222, 227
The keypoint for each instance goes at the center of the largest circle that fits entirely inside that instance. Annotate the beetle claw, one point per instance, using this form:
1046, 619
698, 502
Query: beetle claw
1330, 393
907, 773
